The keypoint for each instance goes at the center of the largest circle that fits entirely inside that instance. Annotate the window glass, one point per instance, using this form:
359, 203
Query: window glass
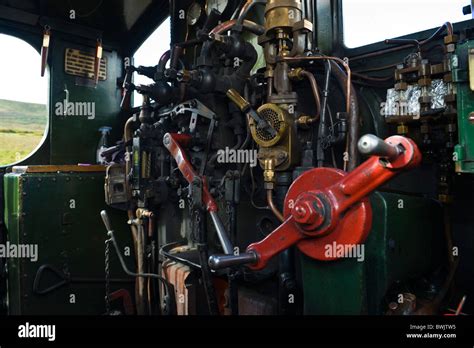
149, 53
23, 100
369, 21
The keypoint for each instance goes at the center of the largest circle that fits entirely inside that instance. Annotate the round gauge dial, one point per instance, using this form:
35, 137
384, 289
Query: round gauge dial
219, 5
194, 13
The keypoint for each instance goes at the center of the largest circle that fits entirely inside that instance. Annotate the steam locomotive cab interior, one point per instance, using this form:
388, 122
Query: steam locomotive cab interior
270, 157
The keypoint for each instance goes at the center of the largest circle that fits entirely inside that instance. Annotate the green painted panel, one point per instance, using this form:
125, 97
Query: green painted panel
59, 212
74, 138
465, 105
396, 249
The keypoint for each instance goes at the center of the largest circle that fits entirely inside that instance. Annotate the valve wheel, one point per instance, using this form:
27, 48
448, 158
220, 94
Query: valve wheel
353, 227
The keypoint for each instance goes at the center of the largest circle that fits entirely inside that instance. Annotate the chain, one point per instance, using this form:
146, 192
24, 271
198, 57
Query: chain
228, 210
107, 275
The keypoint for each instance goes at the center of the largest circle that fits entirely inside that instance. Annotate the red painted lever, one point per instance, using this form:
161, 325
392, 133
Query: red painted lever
325, 205
174, 142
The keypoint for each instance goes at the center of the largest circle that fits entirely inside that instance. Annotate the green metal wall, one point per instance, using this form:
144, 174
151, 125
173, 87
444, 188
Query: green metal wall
404, 243
38, 211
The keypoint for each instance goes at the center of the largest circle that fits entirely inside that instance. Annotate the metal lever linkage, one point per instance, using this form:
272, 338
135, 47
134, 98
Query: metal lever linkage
326, 205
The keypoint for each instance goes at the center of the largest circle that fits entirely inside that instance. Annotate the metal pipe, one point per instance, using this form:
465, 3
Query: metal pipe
322, 122
353, 120
335, 59
247, 7
221, 233
273, 207
269, 87
140, 282
447, 25
314, 88
139, 275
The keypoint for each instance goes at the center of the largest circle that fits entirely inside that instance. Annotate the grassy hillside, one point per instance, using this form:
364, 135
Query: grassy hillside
21, 129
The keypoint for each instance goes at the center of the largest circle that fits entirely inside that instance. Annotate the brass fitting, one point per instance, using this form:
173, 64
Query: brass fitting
402, 129
238, 100
305, 121
450, 39
143, 213
296, 74
282, 14
269, 170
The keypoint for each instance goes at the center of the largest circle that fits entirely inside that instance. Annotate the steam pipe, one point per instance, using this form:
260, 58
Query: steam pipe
273, 207
314, 88
353, 121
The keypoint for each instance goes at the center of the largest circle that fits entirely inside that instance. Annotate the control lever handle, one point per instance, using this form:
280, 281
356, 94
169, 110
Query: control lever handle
326, 206
246, 108
371, 145
226, 261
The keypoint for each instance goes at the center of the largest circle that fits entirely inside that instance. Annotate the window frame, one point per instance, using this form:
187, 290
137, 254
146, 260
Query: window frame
380, 45
5, 30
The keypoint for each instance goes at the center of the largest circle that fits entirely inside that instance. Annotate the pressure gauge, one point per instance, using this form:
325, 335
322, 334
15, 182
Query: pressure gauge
219, 5
194, 13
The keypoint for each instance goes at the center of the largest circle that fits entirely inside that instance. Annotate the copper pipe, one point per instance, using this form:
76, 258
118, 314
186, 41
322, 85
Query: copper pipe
314, 88
247, 7
447, 25
273, 207
127, 134
352, 136
336, 59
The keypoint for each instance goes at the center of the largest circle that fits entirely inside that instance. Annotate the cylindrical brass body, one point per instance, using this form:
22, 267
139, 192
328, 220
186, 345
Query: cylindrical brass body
282, 14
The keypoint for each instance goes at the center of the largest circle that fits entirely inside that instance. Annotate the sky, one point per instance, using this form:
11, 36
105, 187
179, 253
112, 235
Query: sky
20, 72
369, 21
